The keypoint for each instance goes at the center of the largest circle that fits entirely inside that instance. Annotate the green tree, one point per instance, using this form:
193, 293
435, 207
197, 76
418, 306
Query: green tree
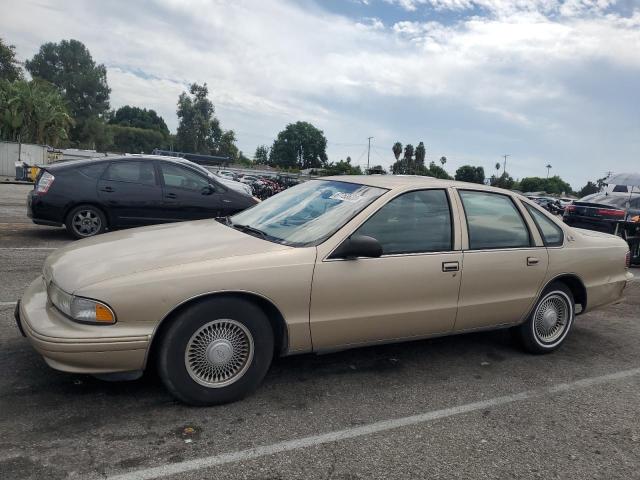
397, 150
468, 173
299, 145
343, 167
550, 185
134, 140
195, 112
226, 145
10, 68
243, 159
532, 184
261, 157
128, 116
69, 66
377, 170
33, 112
421, 154
503, 181
436, 171
588, 189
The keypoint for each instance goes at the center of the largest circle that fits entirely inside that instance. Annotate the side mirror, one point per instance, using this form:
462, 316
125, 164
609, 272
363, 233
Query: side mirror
208, 190
358, 246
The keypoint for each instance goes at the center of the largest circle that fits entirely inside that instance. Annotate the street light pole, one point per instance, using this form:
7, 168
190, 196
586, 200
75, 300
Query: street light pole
368, 154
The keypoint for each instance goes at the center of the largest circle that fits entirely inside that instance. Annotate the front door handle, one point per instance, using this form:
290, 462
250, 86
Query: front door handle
171, 195
450, 266
532, 261
107, 189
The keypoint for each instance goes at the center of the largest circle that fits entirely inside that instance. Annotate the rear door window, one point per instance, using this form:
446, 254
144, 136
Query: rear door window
131, 172
493, 221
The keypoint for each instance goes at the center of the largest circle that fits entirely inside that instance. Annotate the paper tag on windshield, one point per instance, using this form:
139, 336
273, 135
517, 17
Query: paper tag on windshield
346, 197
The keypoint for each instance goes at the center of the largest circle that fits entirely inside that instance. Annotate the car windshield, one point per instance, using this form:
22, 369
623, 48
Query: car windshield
308, 213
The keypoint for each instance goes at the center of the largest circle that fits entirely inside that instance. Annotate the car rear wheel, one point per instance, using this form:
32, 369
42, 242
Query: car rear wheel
85, 221
550, 321
216, 351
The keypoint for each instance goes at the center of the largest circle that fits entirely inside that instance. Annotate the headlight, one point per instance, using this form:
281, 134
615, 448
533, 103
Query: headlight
79, 308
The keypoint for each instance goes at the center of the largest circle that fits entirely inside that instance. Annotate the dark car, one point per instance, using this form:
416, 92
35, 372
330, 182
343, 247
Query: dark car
601, 212
91, 196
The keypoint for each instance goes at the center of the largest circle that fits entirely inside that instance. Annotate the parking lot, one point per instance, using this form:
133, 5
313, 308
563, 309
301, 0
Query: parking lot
470, 406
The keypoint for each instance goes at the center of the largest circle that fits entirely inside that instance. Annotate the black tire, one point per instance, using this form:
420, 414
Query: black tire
85, 221
538, 334
202, 328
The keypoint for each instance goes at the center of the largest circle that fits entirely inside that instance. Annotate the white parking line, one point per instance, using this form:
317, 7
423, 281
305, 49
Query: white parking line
8, 304
29, 248
347, 433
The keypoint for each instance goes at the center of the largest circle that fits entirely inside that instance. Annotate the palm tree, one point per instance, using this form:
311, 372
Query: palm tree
408, 158
548, 168
33, 112
420, 154
443, 160
498, 165
397, 150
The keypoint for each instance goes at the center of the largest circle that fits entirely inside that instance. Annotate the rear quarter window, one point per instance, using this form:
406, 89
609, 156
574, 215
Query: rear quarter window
551, 233
93, 171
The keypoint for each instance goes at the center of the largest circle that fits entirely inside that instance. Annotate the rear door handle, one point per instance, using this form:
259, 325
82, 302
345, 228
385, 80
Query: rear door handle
450, 266
171, 195
532, 261
107, 189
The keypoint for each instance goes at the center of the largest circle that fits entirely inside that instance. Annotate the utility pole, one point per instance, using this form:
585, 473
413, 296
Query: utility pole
368, 154
505, 163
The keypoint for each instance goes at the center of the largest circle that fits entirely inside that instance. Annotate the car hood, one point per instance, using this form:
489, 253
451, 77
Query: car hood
125, 252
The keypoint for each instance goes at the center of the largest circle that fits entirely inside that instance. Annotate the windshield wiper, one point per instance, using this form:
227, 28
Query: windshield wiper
248, 229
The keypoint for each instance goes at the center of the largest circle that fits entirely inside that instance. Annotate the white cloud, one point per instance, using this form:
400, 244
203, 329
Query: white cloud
568, 8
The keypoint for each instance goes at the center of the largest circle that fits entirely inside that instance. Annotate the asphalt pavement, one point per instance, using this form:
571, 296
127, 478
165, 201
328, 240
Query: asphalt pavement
469, 406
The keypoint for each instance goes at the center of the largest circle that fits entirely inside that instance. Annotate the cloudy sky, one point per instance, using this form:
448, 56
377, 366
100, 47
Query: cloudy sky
546, 81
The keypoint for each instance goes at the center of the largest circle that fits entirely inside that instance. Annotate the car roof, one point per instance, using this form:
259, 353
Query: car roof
411, 181
92, 161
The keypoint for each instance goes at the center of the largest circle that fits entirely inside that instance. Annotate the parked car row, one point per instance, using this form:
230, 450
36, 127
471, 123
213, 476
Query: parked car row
262, 186
551, 204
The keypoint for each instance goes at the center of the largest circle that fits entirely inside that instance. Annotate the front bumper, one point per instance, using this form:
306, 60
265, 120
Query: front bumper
72, 347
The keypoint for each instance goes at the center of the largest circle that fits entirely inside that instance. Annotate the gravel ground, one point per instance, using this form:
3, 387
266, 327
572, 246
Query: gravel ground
59, 426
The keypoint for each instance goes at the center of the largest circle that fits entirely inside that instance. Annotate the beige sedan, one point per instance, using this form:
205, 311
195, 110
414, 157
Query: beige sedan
330, 264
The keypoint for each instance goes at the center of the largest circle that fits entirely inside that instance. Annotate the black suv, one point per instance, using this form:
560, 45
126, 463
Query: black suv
91, 196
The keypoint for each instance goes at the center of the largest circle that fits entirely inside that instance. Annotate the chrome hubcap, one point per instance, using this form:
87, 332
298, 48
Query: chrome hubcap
552, 318
219, 353
86, 223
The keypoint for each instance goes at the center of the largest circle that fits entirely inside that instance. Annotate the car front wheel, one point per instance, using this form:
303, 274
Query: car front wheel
550, 322
216, 351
